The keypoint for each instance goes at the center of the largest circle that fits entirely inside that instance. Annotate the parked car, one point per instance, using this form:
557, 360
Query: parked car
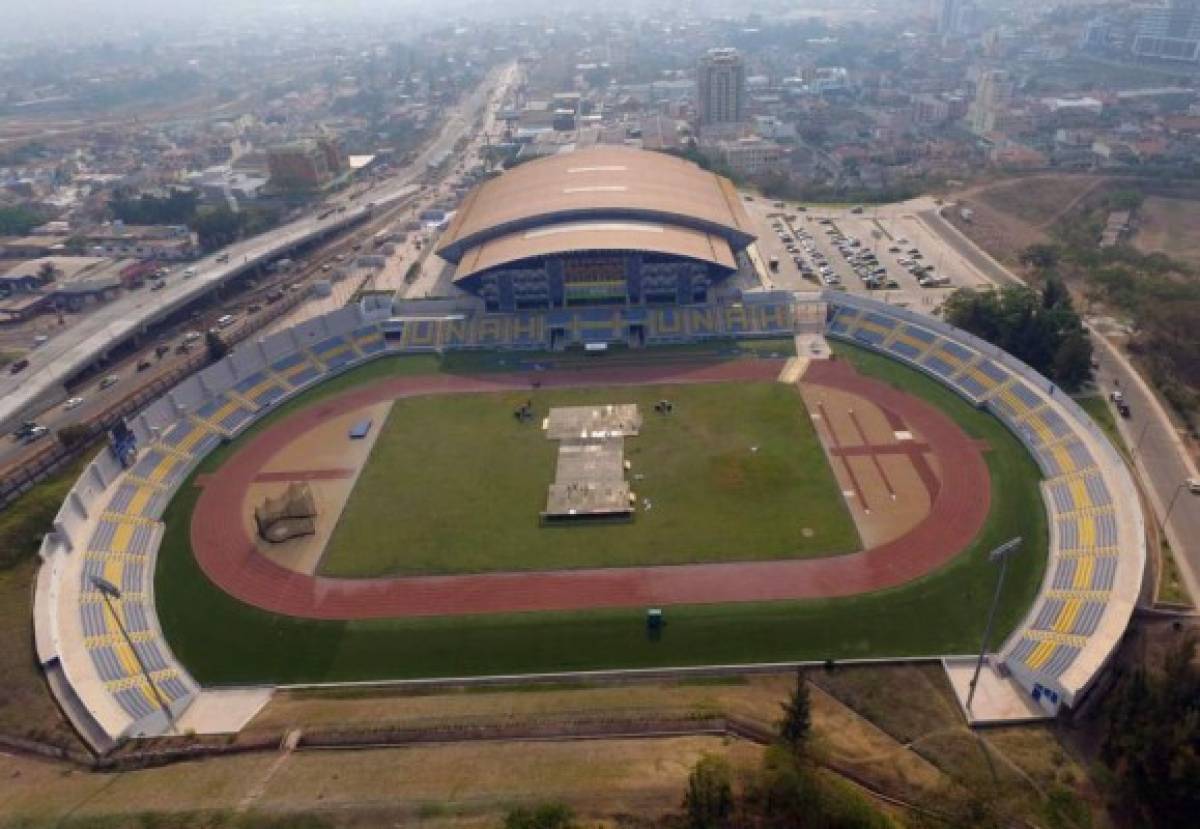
110, 381
72, 403
18, 366
143, 365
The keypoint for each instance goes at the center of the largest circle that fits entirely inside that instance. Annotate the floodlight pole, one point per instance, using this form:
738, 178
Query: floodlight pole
1000, 554
110, 591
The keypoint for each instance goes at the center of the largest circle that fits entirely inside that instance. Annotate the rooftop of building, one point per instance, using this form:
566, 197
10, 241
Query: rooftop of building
564, 193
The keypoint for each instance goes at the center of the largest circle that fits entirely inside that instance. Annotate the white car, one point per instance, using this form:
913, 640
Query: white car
1193, 485
72, 403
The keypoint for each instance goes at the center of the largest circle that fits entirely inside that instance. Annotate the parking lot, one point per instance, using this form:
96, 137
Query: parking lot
885, 251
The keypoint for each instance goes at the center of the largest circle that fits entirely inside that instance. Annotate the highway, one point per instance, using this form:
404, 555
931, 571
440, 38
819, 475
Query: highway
42, 383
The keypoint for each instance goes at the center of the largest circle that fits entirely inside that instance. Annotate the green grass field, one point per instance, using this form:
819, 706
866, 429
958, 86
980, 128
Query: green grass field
222, 641
455, 484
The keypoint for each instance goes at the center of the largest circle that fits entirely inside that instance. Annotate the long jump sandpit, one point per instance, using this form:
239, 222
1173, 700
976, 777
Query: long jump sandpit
229, 557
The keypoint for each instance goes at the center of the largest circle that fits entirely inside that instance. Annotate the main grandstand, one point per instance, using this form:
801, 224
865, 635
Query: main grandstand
603, 226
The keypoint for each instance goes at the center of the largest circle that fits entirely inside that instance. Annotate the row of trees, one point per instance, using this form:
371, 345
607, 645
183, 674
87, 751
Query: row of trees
17, 221
1040, 327
215, 226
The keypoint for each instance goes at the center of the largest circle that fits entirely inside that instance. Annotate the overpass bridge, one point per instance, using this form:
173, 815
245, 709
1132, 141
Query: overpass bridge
65, 356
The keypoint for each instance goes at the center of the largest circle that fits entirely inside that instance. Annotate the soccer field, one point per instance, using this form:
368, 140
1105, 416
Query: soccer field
455, 484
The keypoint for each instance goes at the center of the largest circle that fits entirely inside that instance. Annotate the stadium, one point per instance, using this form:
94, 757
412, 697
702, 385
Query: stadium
604, 226
783, 478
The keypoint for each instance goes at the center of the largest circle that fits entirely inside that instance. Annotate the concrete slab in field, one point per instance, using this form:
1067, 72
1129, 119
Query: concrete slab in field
224, 711
608, 420
589, 480
793, 370
998, 699
812, 345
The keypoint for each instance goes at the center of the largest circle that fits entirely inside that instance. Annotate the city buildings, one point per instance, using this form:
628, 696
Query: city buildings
306, 164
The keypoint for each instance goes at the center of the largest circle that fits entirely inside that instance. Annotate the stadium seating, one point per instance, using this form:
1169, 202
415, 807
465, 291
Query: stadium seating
296, 370
117, 552
1083, 515
334, 353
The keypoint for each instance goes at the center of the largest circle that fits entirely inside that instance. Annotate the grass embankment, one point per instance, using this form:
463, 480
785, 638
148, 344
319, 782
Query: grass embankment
223, 641
455, 484
26, 707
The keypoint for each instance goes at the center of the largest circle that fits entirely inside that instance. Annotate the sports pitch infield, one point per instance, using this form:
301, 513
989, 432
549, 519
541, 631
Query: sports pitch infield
455, 483
223, 641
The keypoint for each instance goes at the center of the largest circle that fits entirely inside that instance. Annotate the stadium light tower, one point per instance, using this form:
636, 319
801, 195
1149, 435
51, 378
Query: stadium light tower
110, 592
1000, 554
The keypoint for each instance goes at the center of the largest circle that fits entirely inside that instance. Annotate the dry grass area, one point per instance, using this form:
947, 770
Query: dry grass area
1038, 200
1013, 214
897, 727
603, 777
444, 785
26, 707
756, 699
1167, 225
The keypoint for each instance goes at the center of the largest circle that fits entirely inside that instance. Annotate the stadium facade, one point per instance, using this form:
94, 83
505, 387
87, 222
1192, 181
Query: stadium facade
609, 226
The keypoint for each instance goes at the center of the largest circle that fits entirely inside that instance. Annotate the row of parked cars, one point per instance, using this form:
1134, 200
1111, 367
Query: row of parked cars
863, 262
815, 266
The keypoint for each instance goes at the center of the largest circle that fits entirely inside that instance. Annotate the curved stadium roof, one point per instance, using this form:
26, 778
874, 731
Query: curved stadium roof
602, 198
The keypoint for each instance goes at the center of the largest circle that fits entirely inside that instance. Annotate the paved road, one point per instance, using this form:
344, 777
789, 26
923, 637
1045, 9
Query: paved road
1162, 462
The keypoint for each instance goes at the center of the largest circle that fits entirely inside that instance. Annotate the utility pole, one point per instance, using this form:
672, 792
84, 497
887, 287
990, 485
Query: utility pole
110, 592
1000, 554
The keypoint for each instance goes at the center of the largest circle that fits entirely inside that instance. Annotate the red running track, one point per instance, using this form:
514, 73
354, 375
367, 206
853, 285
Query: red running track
228, 556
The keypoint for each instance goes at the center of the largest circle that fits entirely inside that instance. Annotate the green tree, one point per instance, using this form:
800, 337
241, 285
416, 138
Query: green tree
709, 801
17, 221
217, 347
1152, 739
73, 435
47, 273
1041, 328
796, 726
544, 816
1040, 257
216, 227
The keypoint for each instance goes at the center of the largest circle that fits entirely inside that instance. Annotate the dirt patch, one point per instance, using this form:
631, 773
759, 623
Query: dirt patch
329, 461
878, 461
1167, 225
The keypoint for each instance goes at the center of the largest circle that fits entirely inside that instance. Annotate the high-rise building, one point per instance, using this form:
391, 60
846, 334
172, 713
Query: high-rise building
721, 88
993, 94
1170, 33
950, 19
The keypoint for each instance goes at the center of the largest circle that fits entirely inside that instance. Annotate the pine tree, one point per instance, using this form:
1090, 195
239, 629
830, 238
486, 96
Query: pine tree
795, 728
